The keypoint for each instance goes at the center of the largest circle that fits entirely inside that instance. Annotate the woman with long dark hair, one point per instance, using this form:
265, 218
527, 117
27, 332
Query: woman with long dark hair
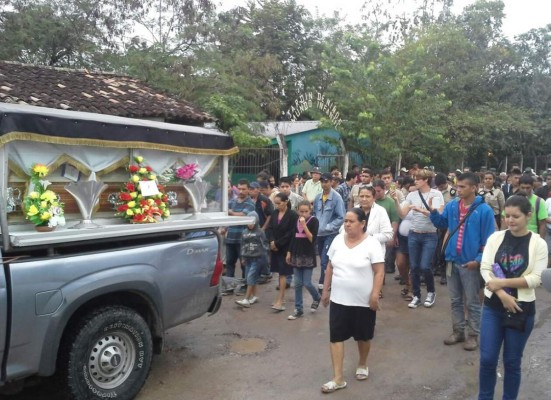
512, 264
279, 233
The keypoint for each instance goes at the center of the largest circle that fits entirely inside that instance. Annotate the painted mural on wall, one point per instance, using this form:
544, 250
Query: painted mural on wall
309, 149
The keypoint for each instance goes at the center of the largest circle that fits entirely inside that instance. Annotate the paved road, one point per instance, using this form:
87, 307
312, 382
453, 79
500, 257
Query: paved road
242, 354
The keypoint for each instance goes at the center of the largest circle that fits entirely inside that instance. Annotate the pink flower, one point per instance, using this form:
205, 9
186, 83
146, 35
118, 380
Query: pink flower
187, 171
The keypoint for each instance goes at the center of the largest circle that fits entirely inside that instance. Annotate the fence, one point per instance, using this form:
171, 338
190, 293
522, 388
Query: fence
250, 161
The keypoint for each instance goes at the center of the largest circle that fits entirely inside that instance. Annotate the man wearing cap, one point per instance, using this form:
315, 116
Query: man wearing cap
329, 209
312, 187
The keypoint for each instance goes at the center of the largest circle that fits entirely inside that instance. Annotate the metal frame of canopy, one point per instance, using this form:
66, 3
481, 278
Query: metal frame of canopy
22, 123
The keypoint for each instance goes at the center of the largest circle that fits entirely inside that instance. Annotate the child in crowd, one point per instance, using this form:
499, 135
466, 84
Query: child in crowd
302, 256
254, 254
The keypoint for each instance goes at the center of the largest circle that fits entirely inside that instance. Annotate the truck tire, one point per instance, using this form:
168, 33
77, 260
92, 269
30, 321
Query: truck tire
106, 354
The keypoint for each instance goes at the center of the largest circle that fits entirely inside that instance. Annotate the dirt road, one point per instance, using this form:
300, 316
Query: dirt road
256, 354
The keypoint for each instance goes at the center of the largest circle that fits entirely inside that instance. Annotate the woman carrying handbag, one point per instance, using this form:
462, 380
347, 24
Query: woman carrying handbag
512, 264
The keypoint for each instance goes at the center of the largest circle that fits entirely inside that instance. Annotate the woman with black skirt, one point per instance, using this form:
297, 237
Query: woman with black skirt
280, 232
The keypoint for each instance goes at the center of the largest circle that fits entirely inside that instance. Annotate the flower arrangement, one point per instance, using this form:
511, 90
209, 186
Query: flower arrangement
42, 206
187, 172
134, 206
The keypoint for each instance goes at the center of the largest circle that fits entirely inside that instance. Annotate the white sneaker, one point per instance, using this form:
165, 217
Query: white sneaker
243, 303
415, 302
253, 300
429, 301
296, 314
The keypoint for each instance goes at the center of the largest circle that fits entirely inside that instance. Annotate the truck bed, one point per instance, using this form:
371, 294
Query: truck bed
26, 236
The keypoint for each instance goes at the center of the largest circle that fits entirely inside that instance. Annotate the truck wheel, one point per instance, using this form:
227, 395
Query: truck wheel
107, 354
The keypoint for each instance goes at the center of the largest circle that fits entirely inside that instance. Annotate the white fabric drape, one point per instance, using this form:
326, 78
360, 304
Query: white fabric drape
96, 159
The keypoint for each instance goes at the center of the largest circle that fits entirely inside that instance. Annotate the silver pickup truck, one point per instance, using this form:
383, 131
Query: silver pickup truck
89, 306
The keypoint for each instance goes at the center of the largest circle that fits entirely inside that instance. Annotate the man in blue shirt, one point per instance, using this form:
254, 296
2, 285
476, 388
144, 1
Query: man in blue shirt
240, 206
463, 254
329, 209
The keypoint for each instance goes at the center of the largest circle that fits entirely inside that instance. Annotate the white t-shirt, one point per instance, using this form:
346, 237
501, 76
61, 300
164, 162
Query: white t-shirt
420, 222
352, 281
548, 204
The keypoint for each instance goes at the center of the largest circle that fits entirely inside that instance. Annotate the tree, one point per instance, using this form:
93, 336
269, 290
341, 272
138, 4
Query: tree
55, 33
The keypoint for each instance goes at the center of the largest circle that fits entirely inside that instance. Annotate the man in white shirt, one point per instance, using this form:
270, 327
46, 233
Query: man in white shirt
312, 187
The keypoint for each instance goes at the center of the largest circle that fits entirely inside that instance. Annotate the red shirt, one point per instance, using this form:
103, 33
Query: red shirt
462, 213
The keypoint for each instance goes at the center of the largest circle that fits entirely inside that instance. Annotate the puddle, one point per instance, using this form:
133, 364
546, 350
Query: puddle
248, 346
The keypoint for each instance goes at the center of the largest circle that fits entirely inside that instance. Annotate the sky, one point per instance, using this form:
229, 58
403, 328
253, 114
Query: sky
521, 15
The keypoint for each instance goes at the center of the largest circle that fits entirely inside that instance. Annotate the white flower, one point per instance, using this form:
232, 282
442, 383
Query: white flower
56, 220
45, 183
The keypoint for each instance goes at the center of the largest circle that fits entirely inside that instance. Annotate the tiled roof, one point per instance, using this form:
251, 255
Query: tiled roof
102, 93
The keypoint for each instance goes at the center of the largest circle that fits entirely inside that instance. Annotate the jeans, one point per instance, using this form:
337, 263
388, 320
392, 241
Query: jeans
492, 335
303, 277
233, 252
464, 289
253, 268
421, 248
324, 242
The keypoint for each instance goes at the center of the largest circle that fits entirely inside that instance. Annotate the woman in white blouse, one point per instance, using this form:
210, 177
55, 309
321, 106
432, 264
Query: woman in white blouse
355, 274
378, 222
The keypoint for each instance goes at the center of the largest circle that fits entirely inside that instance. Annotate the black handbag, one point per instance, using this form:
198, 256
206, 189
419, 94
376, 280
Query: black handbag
516, 320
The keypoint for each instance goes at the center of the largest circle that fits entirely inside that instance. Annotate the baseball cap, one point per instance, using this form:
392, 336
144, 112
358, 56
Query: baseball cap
255, 185
326, 177
316, 170
404, 169
264, 184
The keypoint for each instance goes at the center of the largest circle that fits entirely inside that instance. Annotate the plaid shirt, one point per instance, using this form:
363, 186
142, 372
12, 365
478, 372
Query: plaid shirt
344, 190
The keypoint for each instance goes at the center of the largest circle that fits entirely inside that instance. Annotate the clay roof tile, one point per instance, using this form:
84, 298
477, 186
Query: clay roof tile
93, 92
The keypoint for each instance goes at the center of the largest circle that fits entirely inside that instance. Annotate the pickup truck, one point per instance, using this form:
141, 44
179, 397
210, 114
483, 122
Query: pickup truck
87, 304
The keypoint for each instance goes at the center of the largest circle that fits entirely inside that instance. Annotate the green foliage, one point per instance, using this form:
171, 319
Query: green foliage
435, 87
231, 117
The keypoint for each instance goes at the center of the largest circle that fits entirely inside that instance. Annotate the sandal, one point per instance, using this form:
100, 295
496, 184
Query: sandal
278, 309
362, 373
404, 292
332, 386
408, 297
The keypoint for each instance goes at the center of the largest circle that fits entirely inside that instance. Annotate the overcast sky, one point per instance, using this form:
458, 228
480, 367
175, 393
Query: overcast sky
521, 15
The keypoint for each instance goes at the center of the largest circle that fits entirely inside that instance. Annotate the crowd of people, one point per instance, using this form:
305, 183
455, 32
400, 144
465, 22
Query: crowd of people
474, 230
